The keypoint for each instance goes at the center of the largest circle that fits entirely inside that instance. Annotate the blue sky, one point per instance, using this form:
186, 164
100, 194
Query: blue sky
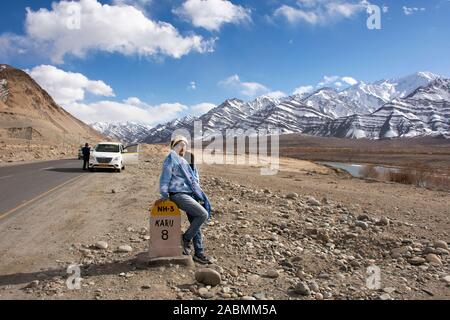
158, 60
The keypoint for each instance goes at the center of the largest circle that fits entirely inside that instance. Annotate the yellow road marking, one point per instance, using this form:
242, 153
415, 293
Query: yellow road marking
4, 215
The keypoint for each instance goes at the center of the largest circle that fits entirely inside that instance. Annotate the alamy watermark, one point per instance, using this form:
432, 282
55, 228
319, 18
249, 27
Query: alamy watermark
255, 147
373, 280
73, 282
73, 16
374, 19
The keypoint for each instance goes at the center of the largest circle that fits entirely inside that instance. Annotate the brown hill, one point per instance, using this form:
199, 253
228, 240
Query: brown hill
29, 115
27, 112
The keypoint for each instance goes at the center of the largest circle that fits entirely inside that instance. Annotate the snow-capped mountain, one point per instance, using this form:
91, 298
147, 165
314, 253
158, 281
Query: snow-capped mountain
371, 96
128, 132
426, 111
163, 132
289, 116
336, 104
382, 109
220, 118
365, 98
224, 115
301, 113
404, 86
261, 103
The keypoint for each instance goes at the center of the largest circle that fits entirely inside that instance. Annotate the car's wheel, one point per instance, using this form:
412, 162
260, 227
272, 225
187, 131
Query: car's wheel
118, 170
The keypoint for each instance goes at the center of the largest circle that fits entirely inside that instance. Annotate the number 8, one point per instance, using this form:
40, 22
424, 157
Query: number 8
165, 234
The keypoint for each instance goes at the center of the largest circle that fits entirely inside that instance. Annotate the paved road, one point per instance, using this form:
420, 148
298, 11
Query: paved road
20, 185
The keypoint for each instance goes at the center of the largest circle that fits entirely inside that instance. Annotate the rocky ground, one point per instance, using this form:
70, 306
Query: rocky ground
12, 152
306, 233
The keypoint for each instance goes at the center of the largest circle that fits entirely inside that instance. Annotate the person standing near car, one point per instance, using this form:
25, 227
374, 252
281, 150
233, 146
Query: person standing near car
86, 151
180, 183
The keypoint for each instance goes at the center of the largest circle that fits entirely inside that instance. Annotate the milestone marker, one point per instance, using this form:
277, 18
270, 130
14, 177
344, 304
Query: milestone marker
165, 230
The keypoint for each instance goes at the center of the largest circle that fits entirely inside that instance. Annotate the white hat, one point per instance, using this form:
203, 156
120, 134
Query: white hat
178, 139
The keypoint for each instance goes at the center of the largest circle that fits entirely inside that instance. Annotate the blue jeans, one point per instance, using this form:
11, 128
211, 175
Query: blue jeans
196, 214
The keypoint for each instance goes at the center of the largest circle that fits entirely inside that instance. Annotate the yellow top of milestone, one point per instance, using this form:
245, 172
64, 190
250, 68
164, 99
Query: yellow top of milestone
166, 208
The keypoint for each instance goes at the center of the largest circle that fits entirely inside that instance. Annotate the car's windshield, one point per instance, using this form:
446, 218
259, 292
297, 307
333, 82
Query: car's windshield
107, 148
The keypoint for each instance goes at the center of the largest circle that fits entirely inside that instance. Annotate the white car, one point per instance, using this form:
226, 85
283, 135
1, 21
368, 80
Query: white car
110, 155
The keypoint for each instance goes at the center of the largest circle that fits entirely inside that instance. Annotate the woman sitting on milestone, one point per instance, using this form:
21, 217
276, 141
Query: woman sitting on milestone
180, 183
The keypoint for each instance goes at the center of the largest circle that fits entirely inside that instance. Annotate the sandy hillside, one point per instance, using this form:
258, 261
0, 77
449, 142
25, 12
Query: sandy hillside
32, 125
305, 233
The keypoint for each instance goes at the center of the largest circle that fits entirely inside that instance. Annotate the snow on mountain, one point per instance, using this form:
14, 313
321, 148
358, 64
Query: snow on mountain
333, 103
163, 132
260, 103
382, 109
224, 115
288, 116
362, 98
425, 111
129, 132
371, 96
220, 118
402, 87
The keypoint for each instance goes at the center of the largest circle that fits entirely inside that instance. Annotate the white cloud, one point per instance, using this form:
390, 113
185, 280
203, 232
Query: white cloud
67, 87
192, 85
120, 29
337, 81
140, 4
411, 10
113, 111
294, 15
212, 14
385, 9
321, 12
308, 3
201, 108
249, 89
276, 94
327, 80
134, 101
135, 110
349, 80
302, 90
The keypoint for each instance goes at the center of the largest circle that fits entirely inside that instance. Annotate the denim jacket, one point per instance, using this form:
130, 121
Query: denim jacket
173, 179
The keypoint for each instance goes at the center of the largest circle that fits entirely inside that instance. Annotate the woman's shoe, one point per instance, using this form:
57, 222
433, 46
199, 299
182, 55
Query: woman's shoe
201, 258
186, 247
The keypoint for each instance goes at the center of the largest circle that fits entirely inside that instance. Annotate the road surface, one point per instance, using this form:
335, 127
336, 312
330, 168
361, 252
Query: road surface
21, 185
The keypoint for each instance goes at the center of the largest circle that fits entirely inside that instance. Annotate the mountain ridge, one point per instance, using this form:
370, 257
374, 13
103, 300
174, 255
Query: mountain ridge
324, 112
